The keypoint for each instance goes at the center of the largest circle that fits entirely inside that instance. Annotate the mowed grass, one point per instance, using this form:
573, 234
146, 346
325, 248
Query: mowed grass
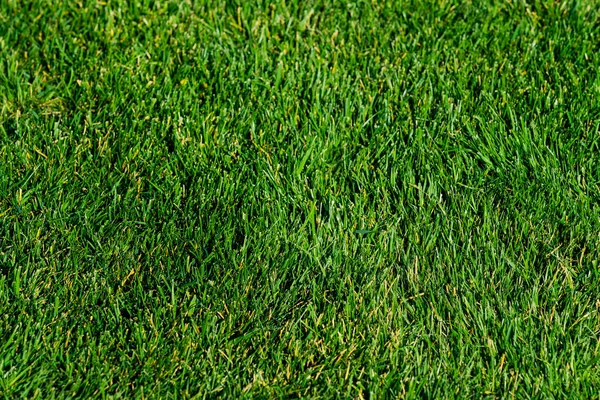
335, 199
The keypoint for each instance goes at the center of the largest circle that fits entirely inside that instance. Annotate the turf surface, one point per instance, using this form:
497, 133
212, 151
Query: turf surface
300, 198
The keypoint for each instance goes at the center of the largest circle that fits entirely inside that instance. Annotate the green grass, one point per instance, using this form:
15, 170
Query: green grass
300, 199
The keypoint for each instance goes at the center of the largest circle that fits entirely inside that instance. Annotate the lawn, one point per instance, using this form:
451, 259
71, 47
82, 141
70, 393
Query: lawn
316, 198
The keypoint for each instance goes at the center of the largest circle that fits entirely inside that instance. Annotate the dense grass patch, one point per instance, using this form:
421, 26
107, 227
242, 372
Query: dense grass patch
299, 198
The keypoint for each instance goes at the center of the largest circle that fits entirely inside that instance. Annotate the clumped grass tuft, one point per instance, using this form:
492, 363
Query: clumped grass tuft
335, 199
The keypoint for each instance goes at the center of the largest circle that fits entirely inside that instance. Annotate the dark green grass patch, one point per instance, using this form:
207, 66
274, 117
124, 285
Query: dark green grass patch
299, 199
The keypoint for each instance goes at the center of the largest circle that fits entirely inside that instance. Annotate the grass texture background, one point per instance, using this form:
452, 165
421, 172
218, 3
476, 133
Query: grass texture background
315, 198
